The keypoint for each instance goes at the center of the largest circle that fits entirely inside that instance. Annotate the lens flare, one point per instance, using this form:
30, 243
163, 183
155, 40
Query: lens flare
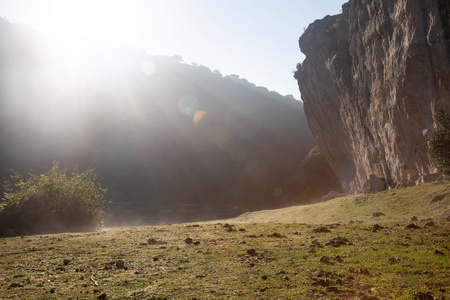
188, 105
199, 116
277, 192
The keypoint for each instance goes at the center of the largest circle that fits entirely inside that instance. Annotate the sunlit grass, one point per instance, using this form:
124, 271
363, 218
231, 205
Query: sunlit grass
397, 205
391, 263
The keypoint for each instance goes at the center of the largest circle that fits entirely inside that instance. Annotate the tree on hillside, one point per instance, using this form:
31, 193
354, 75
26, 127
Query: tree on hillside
51, 202
317, 178
440, 142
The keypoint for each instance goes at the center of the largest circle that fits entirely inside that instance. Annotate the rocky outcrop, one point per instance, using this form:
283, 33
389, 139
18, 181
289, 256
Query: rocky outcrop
371, 81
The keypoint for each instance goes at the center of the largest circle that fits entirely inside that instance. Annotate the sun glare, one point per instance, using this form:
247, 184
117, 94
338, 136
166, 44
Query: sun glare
109, 21
75, 34
68, 26
86, 18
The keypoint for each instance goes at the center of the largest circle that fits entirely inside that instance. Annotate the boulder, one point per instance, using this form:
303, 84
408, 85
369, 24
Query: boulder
332, 195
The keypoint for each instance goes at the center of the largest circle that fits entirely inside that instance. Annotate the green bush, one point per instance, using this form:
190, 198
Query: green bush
299, 70
319, 178
51, 202
440, 142
316, 179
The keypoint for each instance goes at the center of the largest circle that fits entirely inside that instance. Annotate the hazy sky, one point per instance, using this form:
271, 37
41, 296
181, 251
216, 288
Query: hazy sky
255, 39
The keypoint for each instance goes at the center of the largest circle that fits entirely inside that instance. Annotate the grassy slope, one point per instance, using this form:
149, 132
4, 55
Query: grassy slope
391, 263
425, 201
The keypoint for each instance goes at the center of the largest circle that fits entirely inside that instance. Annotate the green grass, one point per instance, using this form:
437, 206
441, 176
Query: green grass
425, 201
392, 263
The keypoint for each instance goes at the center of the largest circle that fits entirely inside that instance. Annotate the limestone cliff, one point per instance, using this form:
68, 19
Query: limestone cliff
371, 81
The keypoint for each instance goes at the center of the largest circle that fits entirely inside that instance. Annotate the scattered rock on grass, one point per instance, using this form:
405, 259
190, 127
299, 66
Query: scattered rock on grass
152, 241
251, 252
66, 262
337, 242
321, 230
378, 214
429, 224
367, 297
325, 259
264, 277
422, 296
394, 259
193, 226
250, 236
102, 296
332, 289
321, 282
437, 252
137, 293
414, 219
315, 243
16, 284
412, 226
363, 271
275, 234
229, 228
188, 241
377, 227
120, 264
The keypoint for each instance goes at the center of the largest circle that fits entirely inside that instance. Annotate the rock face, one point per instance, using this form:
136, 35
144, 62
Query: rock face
371, 81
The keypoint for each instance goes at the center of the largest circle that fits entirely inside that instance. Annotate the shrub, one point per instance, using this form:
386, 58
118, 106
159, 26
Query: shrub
316, 180
299, 70
440, 142
51, 202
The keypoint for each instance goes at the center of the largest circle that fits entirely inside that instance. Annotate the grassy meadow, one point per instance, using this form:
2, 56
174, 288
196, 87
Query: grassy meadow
353, 247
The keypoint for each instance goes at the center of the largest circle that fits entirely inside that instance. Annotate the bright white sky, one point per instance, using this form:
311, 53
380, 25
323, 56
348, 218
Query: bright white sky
255, 39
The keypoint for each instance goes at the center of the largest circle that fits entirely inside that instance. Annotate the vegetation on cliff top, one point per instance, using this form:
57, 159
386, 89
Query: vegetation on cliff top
440, 142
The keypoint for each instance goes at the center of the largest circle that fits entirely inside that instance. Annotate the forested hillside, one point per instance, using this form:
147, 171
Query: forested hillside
170, 140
